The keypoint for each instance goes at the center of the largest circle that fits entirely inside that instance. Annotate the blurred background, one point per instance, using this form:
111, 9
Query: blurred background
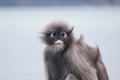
21, 50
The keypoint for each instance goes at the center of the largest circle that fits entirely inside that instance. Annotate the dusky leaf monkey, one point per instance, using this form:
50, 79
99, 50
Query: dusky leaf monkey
66, 57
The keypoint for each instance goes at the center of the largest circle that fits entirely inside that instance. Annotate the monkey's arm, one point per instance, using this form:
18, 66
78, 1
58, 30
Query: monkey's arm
51, 72
101, 70
49, 66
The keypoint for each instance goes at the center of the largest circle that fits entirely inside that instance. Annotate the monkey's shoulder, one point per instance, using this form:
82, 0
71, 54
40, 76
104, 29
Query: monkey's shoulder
92, 53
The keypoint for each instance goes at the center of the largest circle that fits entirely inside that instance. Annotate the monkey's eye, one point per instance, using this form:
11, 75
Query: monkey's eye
63, 34
53, 34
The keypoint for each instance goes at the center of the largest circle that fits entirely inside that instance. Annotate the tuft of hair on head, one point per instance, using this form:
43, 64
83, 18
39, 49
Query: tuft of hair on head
56, 26
50, 27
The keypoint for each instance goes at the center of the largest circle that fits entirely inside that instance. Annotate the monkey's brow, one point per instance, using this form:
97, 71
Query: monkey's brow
49, 32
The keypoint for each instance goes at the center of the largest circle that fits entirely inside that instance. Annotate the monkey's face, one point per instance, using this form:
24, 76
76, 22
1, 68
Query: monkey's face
59, 38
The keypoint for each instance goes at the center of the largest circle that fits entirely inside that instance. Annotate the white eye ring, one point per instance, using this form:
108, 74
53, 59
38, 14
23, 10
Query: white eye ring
53, 34
63, 34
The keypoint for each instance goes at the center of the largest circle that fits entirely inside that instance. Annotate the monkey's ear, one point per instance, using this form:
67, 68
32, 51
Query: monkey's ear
71, 30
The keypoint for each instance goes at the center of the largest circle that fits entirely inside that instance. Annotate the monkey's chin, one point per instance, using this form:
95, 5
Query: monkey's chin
59, 46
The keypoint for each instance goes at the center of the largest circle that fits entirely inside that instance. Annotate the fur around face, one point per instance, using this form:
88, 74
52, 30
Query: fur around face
59, 27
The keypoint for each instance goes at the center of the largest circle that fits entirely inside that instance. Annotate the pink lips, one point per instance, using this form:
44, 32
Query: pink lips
58, 42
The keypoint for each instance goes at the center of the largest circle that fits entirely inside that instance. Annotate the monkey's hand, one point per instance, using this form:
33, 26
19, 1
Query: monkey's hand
71, 77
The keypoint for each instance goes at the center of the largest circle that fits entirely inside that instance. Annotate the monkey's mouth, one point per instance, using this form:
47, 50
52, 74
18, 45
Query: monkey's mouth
59, 44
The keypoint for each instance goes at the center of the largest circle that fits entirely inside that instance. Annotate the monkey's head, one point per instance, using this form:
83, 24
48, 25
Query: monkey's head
58, 35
